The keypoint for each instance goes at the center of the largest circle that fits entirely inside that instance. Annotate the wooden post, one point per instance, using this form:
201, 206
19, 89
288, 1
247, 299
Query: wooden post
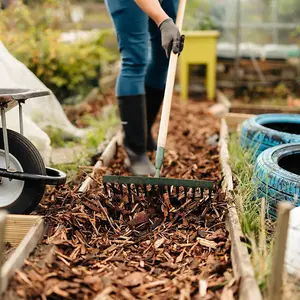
104, 160
284, 209
237, 44
2, 244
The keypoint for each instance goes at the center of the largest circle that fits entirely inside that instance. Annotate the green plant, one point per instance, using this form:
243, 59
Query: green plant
59, 139
281, 91
198, 15
88, 144
259, 231
72, 170
251, 210
241, 163
98, 134
34, 39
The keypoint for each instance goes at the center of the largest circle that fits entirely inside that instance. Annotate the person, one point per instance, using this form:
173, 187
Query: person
141, 81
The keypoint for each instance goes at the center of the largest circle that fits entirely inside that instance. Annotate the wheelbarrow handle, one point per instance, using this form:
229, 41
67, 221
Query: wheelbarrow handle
21, 94
53, 176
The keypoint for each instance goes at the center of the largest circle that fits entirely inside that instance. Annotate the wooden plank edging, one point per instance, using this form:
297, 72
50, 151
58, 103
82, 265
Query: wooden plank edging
104, 160
221, 98
263, 109
241, 263
3, 214
234, 120
22, 252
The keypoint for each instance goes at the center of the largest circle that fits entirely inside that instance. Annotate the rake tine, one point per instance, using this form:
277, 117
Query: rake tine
186, 192
129, 192
135, 188
141, 189
180, 190
174, 190
105, 188
115, 190
169, 191
121, 189
161, 190
156, 189
146, 194
145, 189
109, 189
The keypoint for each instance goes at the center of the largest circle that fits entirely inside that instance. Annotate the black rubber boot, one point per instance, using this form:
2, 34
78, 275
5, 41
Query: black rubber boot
133, 116
154, 98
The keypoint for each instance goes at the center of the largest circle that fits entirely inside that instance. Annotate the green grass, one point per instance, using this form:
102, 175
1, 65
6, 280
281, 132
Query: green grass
100, 128
89, 143
58, 138
242, 167
259, 231
93, 138
72, 170
251, 212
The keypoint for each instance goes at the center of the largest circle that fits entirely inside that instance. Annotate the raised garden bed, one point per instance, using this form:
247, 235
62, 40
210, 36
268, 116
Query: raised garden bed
22, 234
132, 248
243, 108
260, 100
260, 231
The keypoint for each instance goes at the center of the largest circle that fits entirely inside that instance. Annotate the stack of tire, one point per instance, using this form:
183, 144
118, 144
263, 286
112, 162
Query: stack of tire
274, 140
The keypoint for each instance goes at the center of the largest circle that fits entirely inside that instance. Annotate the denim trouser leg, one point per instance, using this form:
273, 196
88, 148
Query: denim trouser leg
131, 25
158, 65
132, 29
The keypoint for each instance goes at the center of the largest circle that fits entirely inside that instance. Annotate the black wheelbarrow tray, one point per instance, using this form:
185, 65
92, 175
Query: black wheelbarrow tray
23, 175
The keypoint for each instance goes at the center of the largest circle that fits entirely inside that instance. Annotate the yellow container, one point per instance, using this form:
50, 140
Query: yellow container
199, 48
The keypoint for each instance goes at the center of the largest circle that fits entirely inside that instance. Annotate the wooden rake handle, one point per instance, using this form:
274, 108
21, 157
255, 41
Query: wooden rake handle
164, 122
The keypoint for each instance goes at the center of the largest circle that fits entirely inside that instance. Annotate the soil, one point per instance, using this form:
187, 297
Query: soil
138, 247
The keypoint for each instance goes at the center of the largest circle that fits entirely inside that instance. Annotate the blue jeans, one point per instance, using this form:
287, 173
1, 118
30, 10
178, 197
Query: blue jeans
134, 29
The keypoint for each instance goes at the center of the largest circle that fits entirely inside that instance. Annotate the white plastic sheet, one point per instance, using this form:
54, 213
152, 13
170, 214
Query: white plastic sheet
38, 112
292, 256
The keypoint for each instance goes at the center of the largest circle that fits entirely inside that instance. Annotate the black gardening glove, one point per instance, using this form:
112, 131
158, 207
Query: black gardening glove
170, 37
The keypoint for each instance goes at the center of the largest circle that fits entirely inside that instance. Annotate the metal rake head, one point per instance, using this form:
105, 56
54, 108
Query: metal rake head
151, 186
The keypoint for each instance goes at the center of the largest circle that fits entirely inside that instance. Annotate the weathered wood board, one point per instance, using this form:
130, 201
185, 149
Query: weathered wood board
23, 232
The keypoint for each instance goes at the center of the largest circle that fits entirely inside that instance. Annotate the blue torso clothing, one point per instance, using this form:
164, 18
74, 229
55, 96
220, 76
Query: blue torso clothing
134, 29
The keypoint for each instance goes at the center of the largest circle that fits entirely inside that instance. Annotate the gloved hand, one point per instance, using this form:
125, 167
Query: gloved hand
170, 37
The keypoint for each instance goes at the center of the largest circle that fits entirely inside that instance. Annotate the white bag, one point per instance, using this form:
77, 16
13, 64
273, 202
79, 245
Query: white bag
38, 112
292, 255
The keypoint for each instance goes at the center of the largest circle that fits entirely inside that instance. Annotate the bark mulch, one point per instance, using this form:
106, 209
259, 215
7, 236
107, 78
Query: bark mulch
139, 247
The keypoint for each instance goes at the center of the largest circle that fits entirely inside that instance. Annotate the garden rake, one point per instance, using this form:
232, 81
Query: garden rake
161, 185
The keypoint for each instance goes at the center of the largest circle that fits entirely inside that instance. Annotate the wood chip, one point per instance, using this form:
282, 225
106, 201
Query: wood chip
133, 279
138, 246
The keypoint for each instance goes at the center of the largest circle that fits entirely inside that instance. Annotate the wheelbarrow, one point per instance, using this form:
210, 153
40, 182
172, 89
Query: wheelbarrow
23, 175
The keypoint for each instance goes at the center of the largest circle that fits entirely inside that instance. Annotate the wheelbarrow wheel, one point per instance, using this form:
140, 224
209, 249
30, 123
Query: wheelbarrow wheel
16, 196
